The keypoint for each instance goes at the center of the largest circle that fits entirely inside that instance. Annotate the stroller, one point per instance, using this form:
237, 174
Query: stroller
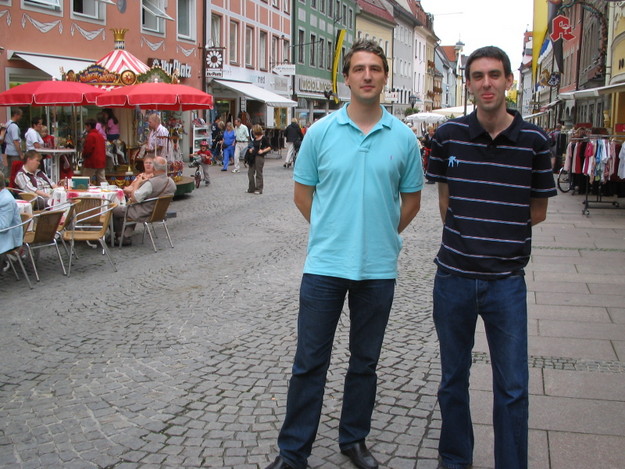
217, 152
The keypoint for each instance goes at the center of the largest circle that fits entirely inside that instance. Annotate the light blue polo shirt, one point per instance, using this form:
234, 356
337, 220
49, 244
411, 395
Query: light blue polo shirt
356, 205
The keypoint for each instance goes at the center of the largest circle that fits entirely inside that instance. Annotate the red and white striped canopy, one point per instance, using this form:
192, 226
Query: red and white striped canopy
119, 60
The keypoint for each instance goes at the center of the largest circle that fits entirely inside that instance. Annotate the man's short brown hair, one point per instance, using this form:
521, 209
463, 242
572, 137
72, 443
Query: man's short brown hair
364, 45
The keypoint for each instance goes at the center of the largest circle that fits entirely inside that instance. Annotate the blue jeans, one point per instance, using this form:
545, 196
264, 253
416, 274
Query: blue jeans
228, 153
502, 305
321, 303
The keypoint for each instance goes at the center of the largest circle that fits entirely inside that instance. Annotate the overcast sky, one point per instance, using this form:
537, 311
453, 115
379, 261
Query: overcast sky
480, 23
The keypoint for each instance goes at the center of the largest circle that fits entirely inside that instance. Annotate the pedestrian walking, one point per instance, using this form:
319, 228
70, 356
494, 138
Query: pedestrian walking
353, 169
242, 138
494, 178
228, 142
255, 160
293, 133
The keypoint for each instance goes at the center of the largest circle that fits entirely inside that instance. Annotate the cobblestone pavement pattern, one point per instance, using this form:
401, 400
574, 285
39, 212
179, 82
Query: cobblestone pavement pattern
181, 359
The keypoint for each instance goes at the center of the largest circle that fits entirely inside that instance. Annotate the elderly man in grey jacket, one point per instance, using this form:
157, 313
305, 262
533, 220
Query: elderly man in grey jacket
160, 184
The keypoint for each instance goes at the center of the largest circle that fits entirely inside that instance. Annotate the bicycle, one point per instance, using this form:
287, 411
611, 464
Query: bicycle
564, 180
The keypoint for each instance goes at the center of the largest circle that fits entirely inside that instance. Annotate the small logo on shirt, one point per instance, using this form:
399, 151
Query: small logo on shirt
452, 161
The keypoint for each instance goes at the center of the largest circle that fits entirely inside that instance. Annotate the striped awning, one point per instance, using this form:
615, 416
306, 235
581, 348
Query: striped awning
119, 60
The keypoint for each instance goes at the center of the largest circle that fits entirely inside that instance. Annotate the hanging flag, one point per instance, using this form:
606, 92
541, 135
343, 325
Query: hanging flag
340, 37
539, 31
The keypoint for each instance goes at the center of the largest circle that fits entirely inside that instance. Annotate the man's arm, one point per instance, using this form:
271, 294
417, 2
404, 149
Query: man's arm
142, 193
538, 209
303, 197
410, 205
13, 132
443, 199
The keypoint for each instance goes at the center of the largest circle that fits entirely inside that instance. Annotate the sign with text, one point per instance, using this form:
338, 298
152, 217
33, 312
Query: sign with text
169, 66
286, 70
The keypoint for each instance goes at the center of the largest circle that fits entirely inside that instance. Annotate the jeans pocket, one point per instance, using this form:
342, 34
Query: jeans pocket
443, 273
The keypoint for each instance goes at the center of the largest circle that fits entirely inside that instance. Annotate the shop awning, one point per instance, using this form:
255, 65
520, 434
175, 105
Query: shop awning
593, 92
257, 93
52, 64
536, 115
550, 105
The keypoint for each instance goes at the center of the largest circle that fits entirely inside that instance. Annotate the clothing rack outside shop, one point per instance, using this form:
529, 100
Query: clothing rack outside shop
596, 180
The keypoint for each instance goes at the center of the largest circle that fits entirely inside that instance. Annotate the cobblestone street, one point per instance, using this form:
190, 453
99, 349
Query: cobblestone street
181, 358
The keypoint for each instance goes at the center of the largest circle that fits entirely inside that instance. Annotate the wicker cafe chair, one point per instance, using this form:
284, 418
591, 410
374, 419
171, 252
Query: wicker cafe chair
83, 207
44, 235
15, 252
82, 227
158, 215
25, 195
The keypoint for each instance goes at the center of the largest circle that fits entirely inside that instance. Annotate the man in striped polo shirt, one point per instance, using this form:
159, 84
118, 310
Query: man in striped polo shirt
494, 178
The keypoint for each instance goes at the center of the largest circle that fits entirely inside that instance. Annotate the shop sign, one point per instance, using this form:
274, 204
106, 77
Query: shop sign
94, 75
561, 28
286, 70
313, 85
184, 70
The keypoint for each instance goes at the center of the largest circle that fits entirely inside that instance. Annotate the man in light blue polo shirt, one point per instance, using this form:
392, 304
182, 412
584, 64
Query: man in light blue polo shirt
358, 178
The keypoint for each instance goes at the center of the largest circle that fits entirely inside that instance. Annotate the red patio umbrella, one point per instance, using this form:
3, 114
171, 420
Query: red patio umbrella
50, 93
158, 96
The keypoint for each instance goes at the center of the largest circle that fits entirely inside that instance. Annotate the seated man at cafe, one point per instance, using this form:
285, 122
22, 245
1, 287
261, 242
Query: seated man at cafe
158, 185
30, 178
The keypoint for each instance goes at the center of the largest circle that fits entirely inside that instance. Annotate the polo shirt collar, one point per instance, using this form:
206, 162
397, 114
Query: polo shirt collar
385, 121
511, 133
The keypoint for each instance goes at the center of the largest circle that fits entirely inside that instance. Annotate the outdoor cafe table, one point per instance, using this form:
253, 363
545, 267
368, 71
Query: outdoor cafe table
52, 165
25, 206
112, 194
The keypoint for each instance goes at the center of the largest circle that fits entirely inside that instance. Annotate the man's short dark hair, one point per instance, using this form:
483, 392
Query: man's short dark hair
489, 52
35, 120
16, 112
364, 45
31, 155
91, 123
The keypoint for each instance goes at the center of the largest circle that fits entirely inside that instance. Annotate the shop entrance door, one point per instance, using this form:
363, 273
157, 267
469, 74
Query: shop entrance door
225, 109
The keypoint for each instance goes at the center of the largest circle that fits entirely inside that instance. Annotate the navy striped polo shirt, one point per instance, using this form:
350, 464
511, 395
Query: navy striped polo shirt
487, 232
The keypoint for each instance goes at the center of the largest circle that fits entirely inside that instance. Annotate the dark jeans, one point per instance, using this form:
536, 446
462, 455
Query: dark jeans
256, 170
321, 304
502, 304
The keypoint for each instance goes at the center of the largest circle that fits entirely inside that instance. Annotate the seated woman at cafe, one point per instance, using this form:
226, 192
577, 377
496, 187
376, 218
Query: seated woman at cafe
148, 173
30, 178
9, 216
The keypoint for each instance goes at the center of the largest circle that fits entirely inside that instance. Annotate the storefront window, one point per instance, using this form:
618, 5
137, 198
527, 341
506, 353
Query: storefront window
249, 45
262, 50
186, 24
54, 5
216, 30
234, 42
154, 16
90, 8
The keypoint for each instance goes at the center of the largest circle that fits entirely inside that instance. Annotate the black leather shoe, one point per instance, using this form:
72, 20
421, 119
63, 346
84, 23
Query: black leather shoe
360, 456
279, 463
